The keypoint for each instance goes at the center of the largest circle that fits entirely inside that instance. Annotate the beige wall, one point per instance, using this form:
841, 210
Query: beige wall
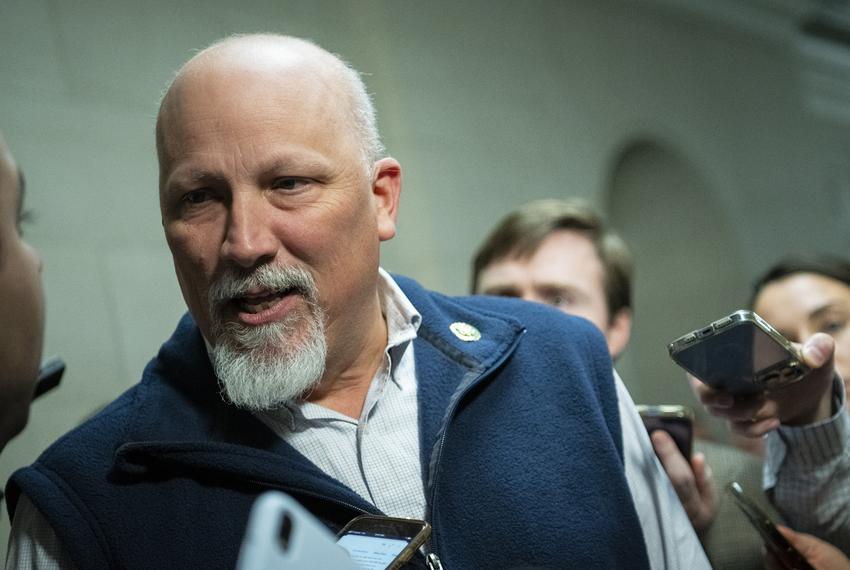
486, 104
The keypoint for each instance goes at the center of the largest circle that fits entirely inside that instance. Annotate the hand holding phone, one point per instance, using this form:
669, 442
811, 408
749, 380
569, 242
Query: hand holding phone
778, 545
796, 403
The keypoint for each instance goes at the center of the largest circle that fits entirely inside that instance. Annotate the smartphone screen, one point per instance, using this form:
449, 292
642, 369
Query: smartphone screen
372, 551
377, 543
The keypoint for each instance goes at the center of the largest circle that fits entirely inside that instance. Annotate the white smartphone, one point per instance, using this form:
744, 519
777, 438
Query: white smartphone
283, 534
383, 543
740, 353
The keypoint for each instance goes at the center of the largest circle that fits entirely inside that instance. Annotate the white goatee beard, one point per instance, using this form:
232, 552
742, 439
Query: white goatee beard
262, 367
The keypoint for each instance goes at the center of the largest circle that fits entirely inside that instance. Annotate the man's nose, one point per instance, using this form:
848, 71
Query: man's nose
531, 296
250, 239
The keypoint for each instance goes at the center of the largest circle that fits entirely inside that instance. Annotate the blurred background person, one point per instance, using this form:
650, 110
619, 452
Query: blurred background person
561, 253
21, 304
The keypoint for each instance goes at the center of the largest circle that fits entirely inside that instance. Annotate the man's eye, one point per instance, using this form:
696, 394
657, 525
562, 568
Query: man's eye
289, 183
558, 300
832, 327
196, 196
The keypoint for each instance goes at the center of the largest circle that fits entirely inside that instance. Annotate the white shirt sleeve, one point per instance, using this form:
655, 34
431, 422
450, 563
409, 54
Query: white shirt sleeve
807, 474
33, 543
671, 542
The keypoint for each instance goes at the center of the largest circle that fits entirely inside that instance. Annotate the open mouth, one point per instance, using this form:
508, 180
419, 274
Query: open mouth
257, 303
263, 306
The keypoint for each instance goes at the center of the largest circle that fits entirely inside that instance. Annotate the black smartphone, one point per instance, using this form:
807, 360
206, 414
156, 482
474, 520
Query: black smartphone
383, 543
676, 420
740, 353
49, 375
788, 556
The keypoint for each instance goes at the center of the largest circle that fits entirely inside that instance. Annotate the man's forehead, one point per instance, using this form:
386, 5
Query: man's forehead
246, 111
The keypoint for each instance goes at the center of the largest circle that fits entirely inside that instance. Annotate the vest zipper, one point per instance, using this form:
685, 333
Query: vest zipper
433, 562
430, 516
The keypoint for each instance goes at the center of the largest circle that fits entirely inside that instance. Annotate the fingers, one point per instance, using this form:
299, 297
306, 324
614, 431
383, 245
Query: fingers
818, 350
820, 554
708, 396
702, 475
677, 467
754, 427
693, 488
752, 415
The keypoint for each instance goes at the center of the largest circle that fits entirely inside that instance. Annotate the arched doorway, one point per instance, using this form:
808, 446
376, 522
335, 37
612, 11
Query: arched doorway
687, 260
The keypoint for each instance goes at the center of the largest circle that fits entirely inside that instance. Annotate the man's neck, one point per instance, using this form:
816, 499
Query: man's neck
344, 388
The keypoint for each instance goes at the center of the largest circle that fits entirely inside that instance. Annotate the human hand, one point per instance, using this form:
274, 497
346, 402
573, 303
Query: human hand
801, 403
691, 481
821, 555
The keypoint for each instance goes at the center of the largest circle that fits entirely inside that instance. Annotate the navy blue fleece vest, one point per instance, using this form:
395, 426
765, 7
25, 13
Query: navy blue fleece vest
520, 438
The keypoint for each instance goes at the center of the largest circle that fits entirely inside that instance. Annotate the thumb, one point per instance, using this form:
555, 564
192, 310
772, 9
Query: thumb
803, 543
818, 350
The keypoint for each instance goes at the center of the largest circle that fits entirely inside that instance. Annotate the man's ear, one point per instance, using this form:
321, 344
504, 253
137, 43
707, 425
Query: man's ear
619, 331
386, 188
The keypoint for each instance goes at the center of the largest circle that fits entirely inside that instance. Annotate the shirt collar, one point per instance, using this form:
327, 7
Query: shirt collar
403, 319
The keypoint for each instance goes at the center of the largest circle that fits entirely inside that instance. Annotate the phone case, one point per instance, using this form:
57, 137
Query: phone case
283, 534
740, 353
676, 420
787, 555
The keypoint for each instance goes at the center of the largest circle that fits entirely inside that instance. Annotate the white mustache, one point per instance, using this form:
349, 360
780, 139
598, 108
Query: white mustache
233, 283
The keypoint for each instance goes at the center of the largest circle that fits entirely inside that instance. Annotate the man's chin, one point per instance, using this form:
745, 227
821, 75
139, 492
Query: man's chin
268, 366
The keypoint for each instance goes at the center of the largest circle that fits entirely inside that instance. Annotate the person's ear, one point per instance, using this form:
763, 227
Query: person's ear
619, 331
386, 188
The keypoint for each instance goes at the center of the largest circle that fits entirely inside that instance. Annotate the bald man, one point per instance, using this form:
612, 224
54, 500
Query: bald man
21, 304
303, 366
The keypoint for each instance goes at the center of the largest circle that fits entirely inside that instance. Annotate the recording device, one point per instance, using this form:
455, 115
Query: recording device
49, 375
788, 556
678, 421
740, 353
283, 534
383, 543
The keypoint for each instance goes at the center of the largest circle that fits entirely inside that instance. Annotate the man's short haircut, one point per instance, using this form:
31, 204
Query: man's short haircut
361, 105
520, 234
826, 265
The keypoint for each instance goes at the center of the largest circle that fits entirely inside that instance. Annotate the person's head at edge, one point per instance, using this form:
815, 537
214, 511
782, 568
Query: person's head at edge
804, 294
275, 195
21, 304
560, 252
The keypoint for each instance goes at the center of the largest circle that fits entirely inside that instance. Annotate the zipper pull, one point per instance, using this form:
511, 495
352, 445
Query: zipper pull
433, 562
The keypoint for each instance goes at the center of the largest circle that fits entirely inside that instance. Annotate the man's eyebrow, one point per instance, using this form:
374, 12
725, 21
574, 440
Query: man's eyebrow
820, 311
193, 176
499, 289
295, 164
